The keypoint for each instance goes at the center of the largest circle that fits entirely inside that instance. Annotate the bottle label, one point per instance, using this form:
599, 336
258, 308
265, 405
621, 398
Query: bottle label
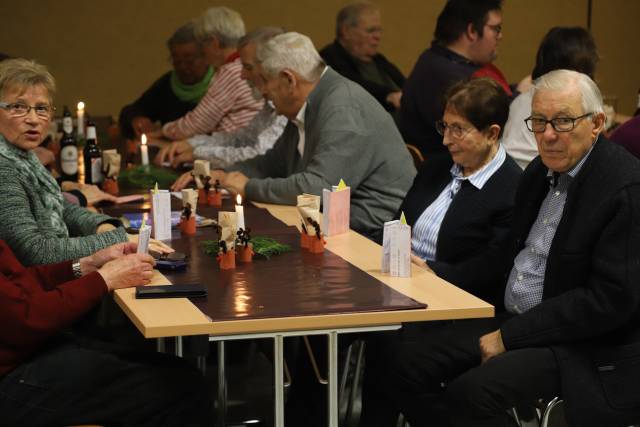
91, 132
69, 159
67, 125
96, 171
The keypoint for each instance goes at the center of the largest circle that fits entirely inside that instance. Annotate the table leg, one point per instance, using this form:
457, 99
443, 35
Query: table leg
278, 363
161, 345
222, 386
178, 346
333, 379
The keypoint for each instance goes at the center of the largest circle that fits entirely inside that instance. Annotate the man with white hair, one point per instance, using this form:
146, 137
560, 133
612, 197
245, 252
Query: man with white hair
572, 302
228, 104
354, 54
336, 131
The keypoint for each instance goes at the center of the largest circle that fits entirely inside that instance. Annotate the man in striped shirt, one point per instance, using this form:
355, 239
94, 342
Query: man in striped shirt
229, 103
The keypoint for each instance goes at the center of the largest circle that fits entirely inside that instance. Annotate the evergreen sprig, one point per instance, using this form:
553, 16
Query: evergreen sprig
264, 246
146, 177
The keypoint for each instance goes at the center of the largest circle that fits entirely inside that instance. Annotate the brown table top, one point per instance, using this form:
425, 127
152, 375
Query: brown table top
250, 298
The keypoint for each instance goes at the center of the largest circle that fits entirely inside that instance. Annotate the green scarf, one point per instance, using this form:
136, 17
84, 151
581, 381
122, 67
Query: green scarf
27, 165
191, 93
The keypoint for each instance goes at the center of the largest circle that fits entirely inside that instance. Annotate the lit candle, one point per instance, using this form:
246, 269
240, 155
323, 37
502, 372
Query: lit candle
144, 150
80, 115
240, 212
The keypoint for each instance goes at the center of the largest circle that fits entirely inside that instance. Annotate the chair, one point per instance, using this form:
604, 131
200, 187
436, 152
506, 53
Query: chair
416, 155
553, 415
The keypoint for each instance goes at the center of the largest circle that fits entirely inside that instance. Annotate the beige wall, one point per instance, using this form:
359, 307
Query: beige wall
107, 52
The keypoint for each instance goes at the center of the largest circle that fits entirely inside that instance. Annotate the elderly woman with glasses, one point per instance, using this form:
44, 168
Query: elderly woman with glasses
35, 220
460, 203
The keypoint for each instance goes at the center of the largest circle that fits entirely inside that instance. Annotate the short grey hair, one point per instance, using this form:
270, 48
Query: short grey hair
293, 51
25, 73
559, 80
225, 24
350, 14
184, 34
260, 35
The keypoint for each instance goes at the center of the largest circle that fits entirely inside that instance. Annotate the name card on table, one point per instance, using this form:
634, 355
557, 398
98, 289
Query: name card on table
396, 249
161, 214
336, 208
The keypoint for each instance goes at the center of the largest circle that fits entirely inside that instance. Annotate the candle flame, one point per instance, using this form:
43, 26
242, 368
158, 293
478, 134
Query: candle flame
80, 105
239, 199
143, 139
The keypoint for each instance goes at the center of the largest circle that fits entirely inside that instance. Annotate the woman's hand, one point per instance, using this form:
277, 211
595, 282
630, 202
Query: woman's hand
154, 245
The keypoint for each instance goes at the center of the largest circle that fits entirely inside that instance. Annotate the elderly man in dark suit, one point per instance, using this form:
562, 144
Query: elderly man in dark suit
572, 298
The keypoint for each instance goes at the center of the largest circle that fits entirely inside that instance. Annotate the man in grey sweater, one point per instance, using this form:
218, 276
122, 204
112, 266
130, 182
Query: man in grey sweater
336, 131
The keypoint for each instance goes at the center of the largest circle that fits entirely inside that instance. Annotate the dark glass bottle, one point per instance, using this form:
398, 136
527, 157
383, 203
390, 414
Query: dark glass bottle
637, 113
92, 157
68, 149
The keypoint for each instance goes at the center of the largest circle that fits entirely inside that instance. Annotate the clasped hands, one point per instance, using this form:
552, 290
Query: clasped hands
120, 266
235, 182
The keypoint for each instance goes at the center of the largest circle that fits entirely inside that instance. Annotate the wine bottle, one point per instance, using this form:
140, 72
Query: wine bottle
637, 113
68, 149
92, 157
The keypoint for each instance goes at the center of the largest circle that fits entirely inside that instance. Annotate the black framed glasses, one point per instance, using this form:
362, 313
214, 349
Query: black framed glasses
19, 109
559, 124
457, 132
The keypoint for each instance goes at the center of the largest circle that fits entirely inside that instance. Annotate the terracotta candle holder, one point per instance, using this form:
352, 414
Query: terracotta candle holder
245, 253
110, 186
214, 198
188, 226
202, 197
317, 245
227, 260
305, 240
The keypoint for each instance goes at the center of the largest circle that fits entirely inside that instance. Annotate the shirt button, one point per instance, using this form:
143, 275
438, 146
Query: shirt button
557, 193
519, 277
544, 221
533, 251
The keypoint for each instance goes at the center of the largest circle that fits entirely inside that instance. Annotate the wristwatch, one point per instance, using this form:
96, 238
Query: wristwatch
77, 271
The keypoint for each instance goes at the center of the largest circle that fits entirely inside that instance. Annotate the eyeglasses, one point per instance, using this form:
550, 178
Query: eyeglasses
457, 132
496, 28
559, 124
18, 109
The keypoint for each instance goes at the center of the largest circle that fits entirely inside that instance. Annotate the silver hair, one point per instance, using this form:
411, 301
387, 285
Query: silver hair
260, 35
293, 51
25, 73
350, 14
225, 24
560, 80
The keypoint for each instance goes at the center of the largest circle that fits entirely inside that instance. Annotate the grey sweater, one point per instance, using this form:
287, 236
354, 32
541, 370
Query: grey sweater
347, 135
26, 216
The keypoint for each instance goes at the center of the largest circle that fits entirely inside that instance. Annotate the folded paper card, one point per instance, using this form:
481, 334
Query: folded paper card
161, 213
336, 209
396, 248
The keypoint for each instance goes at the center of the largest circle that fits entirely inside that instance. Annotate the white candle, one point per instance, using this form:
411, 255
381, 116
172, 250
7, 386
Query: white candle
80, 115
240, 212
144, 150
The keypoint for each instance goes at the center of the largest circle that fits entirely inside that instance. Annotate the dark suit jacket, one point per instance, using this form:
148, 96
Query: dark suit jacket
340, 60
591, 297
474, 229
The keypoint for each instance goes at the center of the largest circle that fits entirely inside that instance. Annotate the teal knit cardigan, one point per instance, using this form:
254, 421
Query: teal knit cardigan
28, 220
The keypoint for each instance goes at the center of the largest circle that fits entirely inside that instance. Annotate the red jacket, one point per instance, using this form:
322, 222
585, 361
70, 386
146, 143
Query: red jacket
37, 302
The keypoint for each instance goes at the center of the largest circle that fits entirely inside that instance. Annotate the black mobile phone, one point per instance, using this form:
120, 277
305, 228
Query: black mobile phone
171, 291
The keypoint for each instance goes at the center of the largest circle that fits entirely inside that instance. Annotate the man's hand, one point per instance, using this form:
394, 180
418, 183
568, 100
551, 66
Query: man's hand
235, 182
394, 99
127, 271
154, 245
45, 156
491, 345
98, 259
176, 153
141, 125
420, 263
186, 178
94, 195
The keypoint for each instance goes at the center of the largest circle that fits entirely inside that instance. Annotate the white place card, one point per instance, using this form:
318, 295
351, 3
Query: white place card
161, 214
396, 249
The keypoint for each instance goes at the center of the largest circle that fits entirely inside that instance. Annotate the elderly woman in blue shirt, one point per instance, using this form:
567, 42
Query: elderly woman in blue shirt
461, 201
